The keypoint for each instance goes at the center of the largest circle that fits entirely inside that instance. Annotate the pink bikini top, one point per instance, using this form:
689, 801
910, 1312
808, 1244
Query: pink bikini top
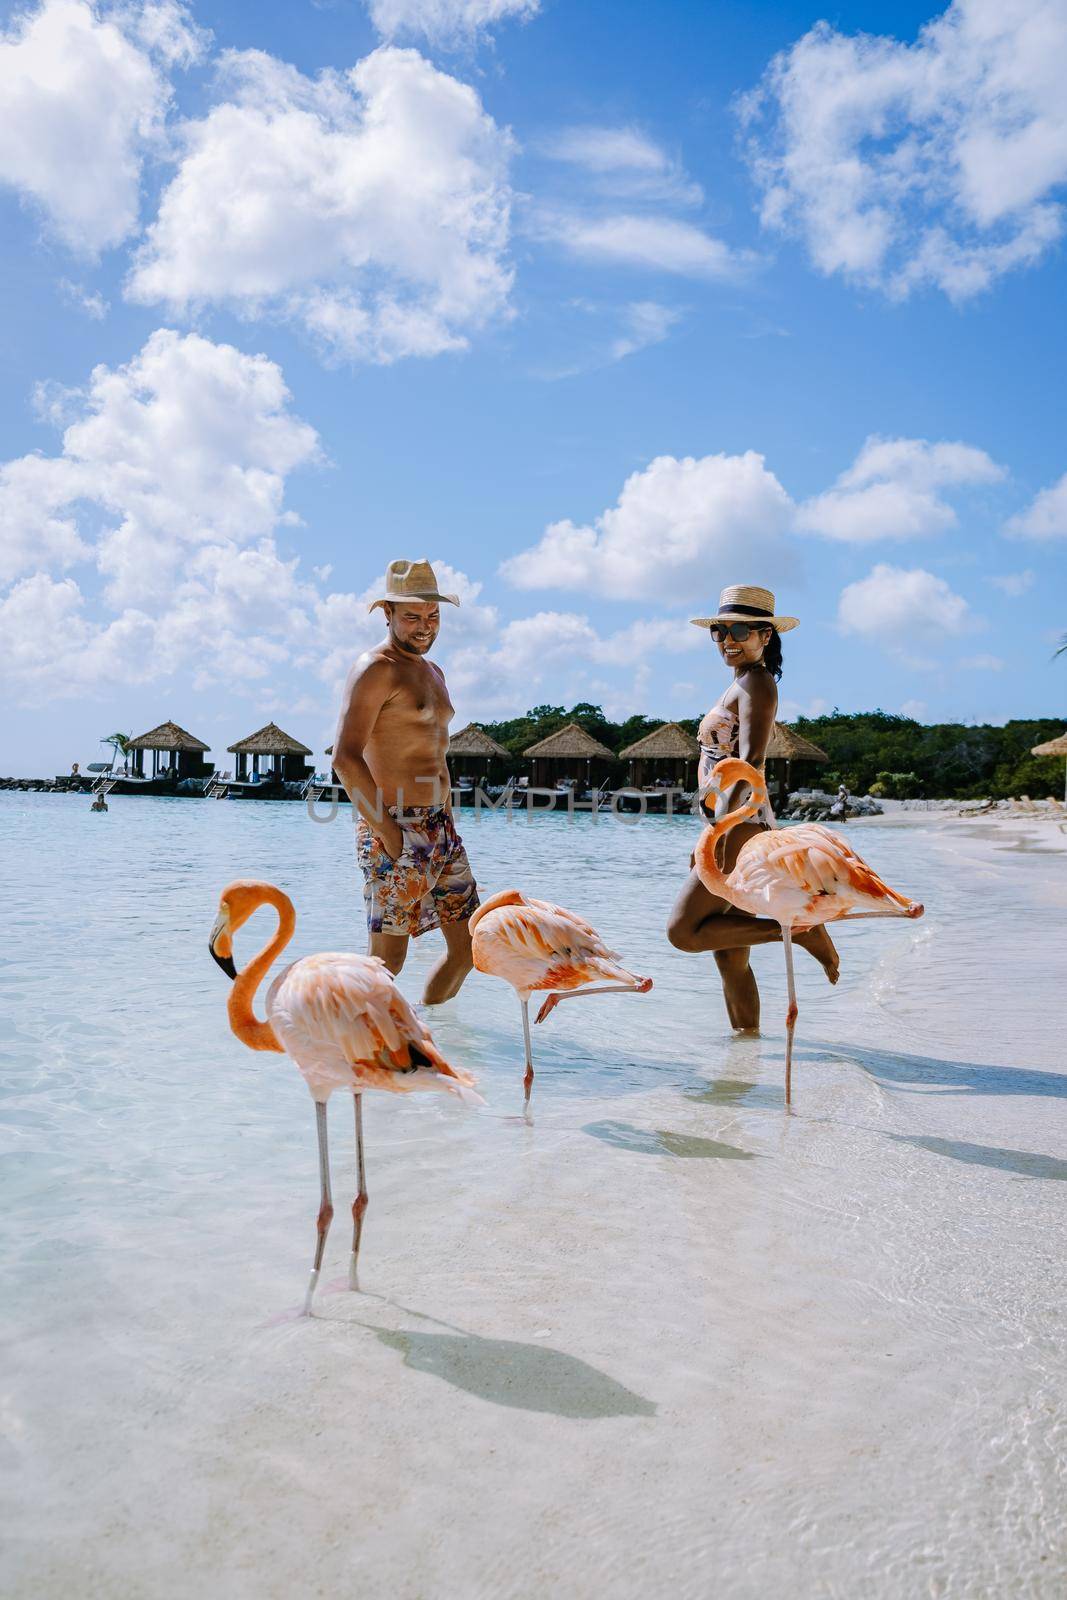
718, 733
718, 738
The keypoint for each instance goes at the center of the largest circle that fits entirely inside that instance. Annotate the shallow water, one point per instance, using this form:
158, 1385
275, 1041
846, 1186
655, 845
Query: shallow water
666, 1340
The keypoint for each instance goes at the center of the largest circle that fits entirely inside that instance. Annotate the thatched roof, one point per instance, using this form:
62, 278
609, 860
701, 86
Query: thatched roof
1051, 747
569, 744
269, 741
474, 741
788, 745
168, 736
668, 742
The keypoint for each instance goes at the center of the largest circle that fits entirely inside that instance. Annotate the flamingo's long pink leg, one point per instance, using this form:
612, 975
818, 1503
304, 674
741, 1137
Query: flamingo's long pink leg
639, 986
791, 1014
361, 1202
325, 1216
527, 1081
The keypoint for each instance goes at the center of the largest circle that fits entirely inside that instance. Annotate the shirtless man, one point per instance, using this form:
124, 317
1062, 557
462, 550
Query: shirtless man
389, 752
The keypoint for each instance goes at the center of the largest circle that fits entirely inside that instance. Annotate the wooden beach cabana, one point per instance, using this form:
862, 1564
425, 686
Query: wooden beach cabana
475, 757
788, 749
1054, 747
270, 756
667, 756
569, 753
176, 755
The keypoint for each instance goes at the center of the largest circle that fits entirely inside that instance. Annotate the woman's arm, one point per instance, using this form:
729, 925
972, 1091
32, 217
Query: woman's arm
757, 703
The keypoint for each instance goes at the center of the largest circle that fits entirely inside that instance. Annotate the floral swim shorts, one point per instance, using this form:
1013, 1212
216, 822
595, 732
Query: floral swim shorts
429, 883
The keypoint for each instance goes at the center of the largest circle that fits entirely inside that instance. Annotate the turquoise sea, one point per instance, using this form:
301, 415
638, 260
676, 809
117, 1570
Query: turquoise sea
668, 1340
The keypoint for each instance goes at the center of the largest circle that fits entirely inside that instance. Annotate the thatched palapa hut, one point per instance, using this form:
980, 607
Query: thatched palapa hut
666, 755
570, 752
1053, 747
473, 753
270, 755
788, 749
176, 754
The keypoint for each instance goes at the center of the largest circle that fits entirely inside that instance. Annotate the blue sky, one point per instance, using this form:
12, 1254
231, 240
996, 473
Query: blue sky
599, 306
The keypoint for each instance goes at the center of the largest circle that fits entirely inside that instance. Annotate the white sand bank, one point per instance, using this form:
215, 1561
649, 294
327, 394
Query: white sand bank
667, 1342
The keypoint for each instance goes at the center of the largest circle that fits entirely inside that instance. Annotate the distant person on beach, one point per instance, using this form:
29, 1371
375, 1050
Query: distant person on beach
74, 772
747, 635
390, 754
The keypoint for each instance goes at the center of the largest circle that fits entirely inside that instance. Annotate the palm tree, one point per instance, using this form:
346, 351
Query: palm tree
119, 743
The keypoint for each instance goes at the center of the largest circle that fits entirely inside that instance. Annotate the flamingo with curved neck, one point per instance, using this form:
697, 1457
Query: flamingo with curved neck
345, 1024
801, 877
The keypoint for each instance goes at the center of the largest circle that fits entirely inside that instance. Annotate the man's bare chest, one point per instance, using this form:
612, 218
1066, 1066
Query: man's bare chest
420, 698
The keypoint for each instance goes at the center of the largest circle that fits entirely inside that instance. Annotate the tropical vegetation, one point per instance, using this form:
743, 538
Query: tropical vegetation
870, 751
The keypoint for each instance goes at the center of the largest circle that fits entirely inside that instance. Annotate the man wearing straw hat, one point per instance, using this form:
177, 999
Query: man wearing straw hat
390, 754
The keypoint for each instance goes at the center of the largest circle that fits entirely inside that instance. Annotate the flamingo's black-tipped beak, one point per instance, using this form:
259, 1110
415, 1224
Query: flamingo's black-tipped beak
225, 962
220, 935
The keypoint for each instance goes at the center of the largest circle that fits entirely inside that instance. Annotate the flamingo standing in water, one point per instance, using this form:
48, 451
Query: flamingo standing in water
800, 877
536, 945
346, 1025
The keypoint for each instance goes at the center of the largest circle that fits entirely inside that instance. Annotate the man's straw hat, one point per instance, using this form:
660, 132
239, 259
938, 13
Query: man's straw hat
745, 603
411, 580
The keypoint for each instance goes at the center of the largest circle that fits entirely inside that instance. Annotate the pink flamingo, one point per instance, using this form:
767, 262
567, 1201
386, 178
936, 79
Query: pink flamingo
346, 1025
800, 877
536, 945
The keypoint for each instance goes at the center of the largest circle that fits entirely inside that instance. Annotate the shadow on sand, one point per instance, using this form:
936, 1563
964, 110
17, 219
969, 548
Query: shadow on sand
527, 1377
1024, 1162
661, 1142
736, 1092
951, 1077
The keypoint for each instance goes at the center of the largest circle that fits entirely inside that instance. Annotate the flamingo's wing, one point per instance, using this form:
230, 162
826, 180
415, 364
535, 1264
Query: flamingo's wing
813, 867
340, 1009
541, 946
564, 914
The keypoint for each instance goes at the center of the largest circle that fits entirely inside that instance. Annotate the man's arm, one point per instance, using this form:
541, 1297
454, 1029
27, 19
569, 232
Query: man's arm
368, 687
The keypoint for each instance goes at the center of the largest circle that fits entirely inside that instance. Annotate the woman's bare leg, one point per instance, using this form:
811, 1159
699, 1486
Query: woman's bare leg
701, 921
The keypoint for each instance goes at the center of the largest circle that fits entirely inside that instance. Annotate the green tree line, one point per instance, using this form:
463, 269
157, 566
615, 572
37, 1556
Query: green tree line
868, 750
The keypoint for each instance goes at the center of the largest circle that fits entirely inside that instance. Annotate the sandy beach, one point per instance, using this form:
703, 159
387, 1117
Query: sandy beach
667, 1341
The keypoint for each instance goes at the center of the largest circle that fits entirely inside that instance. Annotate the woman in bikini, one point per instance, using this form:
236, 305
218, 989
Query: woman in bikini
747, 635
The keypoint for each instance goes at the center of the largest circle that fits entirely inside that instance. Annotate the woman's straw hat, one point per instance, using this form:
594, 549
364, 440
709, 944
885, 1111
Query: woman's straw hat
743, 602
411, 580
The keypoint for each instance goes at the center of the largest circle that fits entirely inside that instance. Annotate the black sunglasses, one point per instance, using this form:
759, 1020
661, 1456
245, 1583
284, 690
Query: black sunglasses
737, 631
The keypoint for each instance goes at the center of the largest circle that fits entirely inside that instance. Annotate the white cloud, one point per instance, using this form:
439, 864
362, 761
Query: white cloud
904, 610
371, 207
893, 491
173, 465
91, 302
1013, 584
645, 322
936, 162
915, 709
506, 673
674, 534
624, 161
662, 244
983, 663
83, 97
1045, 517
447, 22
189, 443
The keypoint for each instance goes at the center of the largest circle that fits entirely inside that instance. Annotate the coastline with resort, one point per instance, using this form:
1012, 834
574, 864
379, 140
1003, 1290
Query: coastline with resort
554, 760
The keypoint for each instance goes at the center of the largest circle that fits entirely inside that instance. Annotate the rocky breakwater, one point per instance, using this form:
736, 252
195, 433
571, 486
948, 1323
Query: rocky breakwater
67, 785
815, 805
